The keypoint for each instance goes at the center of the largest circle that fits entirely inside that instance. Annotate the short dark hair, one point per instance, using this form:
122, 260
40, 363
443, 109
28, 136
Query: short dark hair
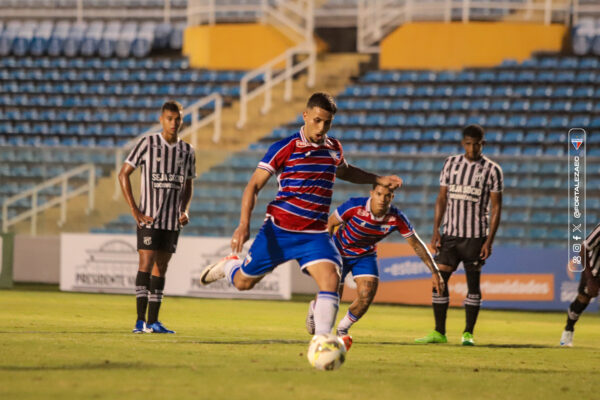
322, 100
473, 131
379, 184
171, 105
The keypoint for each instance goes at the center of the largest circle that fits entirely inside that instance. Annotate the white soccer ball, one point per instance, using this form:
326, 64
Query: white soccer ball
326, 352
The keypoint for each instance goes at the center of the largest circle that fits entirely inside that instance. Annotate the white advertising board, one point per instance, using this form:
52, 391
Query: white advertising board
104, 263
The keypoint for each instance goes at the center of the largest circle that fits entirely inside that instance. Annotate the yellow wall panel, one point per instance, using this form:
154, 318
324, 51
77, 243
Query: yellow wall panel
456, 45
233, 46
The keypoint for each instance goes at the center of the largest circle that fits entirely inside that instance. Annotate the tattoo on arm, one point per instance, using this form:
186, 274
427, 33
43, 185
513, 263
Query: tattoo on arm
422, 252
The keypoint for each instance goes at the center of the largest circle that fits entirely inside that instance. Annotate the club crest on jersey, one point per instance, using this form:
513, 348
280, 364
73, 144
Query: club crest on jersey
248, 259
363, 213
147, 240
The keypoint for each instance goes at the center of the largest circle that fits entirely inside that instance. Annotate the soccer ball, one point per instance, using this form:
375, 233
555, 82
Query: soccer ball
326, 352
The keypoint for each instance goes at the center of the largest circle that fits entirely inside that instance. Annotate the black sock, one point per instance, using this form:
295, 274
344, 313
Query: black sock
573, 313
473, 300
440, 304
157, 284
142, 283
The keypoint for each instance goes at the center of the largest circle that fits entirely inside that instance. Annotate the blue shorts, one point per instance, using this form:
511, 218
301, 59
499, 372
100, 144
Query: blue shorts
274, 246
360, 266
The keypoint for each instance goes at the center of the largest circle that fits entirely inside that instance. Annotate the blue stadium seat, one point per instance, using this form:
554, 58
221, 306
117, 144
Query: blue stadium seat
543, 105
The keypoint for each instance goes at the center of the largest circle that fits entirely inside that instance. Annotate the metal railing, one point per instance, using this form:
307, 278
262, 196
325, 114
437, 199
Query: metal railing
192, 130
377, 18
273, 76
66, 194
297, 16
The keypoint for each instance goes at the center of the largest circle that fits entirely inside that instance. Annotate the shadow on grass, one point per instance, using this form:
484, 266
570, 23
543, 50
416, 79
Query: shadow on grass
102, 365
518, 346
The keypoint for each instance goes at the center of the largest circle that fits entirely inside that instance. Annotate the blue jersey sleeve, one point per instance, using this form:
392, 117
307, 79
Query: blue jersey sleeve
345, 211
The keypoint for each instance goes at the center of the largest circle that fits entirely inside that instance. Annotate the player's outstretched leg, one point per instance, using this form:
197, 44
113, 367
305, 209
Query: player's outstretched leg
217, 270
440, 309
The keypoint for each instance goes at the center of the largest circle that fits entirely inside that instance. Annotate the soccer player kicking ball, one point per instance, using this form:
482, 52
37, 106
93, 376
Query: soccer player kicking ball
168, 168
467, 184
588, 285
306, 165
364, 222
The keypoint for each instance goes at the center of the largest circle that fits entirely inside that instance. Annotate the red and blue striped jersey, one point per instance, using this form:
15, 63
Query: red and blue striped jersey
306, 174
361, 230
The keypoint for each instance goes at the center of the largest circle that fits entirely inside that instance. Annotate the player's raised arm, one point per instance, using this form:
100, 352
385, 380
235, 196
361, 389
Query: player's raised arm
496, 199
421, 250
354, 174
440, 210
242, 233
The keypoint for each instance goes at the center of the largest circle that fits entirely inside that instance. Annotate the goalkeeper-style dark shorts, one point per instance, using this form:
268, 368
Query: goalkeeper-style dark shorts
455, 249
157, 239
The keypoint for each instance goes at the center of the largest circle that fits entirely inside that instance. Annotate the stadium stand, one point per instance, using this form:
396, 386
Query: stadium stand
68, 86
407, 122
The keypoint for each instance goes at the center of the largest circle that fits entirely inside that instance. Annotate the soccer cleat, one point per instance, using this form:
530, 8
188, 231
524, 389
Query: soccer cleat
432, 337
215, 271
158, 327
140, 327
310, 318
467, 339
566, 339
347, 339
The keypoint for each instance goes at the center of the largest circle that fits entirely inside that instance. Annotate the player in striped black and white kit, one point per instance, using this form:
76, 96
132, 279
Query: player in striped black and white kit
306, 165
588, 285
168, 168
468, 183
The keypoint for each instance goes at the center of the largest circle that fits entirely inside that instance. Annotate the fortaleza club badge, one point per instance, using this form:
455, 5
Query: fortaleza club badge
576, 143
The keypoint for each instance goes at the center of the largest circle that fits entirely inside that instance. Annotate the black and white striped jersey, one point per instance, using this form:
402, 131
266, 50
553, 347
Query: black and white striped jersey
165, 169
469, 185
592, 245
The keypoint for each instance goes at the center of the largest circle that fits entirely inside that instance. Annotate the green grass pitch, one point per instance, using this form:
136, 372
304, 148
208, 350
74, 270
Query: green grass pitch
78, 346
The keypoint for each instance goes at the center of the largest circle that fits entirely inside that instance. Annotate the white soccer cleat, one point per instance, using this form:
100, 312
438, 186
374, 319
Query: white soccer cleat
216, 271
566, 339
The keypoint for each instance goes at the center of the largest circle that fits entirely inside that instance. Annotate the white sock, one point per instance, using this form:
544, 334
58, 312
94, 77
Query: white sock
347, 322
326, 308
230, 268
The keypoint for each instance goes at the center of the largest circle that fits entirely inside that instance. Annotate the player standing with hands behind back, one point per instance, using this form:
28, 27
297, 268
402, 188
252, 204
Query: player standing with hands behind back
467, 184
168, 167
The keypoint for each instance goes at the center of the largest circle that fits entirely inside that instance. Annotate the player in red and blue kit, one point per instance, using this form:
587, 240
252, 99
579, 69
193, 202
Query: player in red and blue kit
306, 165
362, 222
